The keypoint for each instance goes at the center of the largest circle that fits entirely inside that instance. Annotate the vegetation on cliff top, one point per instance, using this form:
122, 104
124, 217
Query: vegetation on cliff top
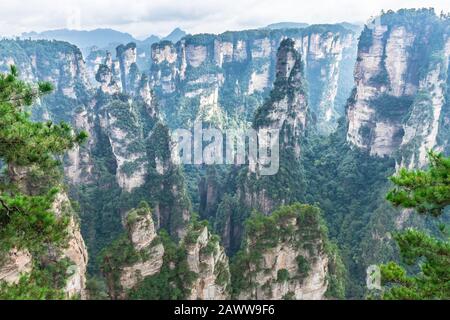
298, 225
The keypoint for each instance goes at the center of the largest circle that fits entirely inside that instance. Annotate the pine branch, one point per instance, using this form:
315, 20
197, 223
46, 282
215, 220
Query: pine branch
8, 208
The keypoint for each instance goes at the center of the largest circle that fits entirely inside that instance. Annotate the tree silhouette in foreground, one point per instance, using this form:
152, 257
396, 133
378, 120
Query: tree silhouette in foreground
428, 192
30, 179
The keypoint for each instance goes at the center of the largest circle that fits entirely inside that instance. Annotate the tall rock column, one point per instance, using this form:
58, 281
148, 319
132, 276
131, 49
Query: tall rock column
401, 75
285, 110
127, 59
207, 259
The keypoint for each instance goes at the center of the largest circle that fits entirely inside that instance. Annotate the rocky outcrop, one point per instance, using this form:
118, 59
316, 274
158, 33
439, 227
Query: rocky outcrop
284, 257
128, 67
107, 77
196, 266
59, 63
72, 249
430, 101
142, 233
207, 259
94, 59
15, 264
400, 77
78, 164
75, 251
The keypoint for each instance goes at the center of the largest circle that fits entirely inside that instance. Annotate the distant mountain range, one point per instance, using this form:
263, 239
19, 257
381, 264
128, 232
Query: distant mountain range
286, 25
109, 39
355, 27
101, 38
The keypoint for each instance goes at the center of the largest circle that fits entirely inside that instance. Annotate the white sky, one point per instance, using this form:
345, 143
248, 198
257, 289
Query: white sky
144, 17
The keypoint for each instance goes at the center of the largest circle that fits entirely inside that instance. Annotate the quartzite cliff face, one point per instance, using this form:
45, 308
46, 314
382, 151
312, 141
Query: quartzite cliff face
208, 260
75, 251
149, 257
286, 256
142, 233
217, 78
287, 111
401, 78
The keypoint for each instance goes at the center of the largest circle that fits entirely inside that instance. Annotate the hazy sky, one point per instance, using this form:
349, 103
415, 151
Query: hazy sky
144, 17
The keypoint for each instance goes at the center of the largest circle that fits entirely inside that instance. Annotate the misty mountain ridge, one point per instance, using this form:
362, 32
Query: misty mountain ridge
286, 25
101, 38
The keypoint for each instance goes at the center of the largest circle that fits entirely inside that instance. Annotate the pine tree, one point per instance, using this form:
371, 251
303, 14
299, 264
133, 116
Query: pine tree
428, 192
29, 181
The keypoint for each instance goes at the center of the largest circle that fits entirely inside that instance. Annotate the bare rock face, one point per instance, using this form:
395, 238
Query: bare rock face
195, 55
94, 59
14, 265
287, 109
132, 275
131, 163
329, 62
78, 165
288, 114
120, 75
223, 52
73, 71
259, 80
127, 58
63, 65
75, 251
140, 227
165, 54
108, 83
430, 103
381, 137
207, 258
141, 232
284, 257
396, 107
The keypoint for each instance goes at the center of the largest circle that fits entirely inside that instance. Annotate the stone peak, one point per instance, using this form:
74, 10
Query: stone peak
140, 226
289, 63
